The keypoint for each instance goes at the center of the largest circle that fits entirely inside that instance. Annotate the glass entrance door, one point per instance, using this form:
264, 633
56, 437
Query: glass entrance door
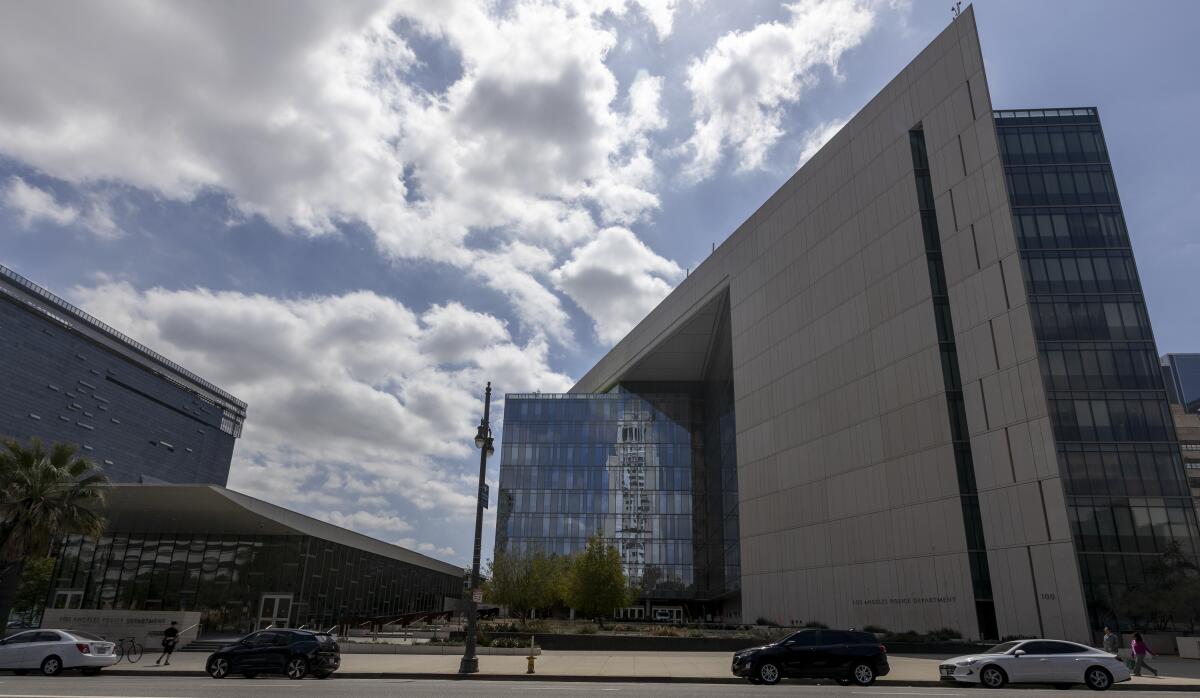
274, 611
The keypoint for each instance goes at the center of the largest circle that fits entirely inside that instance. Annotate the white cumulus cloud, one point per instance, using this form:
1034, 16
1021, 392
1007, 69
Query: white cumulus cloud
616, 279
742, 85
352, 397
310, 114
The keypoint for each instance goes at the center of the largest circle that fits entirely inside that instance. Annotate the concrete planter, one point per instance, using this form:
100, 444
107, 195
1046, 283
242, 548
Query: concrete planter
1189, 647
396, 648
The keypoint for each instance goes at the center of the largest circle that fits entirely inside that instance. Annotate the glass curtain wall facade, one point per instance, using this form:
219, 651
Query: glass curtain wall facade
226, 577
649, 467
1117, 450
67, 377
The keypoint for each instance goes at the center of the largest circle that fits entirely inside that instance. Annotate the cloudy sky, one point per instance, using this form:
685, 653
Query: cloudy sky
353, 214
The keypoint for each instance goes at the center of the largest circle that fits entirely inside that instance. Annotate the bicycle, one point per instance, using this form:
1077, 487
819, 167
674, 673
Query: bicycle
128, 648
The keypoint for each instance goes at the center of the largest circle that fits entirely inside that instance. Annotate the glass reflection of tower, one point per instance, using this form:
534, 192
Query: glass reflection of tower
628, 465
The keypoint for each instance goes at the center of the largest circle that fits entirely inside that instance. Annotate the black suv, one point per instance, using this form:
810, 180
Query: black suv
295, 653
845, 655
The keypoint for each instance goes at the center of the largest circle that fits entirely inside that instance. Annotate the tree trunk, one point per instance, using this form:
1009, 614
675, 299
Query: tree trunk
10, 580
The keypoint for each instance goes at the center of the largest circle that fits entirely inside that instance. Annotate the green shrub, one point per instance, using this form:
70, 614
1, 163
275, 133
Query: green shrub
874, 629
816, 624
587, 630
945, 634
763, 621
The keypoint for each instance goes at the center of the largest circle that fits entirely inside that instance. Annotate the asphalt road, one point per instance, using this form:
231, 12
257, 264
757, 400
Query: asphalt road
189, 687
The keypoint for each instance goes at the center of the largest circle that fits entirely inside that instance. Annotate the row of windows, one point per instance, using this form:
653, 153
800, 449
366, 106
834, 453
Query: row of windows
1109, 576
1070, 185
673, 556
570, 456
660, 527
590, 480
1058, 228
566, 502
1099, 366
1071, 271
599, 407
1121, 470
1032, 145
1114, 418
1128, 529
598, 432
224, 577
1094, 318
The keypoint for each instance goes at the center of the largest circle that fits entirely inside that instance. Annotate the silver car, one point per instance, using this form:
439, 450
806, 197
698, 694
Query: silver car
50, 651
1053, 662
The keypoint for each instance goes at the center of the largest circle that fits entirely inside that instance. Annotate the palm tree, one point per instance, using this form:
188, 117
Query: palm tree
43, 495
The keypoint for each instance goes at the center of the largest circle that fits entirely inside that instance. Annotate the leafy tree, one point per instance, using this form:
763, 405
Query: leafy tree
525, 583
33, 587
596, 583
42, 495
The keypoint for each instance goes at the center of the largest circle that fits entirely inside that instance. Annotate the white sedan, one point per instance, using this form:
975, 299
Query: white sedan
51, 651
1054, 662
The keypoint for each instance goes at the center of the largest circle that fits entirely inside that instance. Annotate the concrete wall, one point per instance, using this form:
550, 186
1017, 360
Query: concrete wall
849, 505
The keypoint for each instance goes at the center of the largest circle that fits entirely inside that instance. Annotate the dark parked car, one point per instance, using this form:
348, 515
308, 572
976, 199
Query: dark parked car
295, 653
845, 655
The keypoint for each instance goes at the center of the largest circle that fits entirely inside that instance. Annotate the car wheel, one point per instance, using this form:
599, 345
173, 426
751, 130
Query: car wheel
90, 671
993, 677
296, 668
768, 673
862, 674
1097, 678
51, 666
218, 667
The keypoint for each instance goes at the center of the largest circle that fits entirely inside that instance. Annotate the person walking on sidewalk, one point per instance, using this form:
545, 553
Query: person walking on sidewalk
1140, 650
1112, 641
170, 637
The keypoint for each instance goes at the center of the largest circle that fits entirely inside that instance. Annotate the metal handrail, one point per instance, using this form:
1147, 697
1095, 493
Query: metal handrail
100, 325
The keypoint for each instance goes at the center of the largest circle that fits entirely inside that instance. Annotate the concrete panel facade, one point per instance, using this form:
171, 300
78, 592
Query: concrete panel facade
850, 509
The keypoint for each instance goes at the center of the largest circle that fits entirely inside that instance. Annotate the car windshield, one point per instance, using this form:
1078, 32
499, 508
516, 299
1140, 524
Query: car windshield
80, 635
1001, 648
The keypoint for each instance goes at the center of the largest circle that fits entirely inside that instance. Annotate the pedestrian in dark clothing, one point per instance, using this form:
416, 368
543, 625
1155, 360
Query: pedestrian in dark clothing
170, 637
1112, 641
1140, 650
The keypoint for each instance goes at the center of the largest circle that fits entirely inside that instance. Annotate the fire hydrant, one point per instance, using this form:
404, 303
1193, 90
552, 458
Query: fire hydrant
531, 658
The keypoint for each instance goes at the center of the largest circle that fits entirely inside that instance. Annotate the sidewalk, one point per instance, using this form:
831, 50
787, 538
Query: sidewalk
684, 667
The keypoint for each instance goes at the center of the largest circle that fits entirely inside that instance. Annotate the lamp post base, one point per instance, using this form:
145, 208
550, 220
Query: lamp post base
469, 665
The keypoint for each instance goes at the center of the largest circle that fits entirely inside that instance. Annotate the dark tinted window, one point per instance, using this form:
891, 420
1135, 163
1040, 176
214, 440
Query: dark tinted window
837, 637
47, 637
1048, 647
805, 638
20, 639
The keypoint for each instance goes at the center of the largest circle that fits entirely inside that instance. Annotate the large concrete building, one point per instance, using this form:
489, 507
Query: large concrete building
66, 376
946, 408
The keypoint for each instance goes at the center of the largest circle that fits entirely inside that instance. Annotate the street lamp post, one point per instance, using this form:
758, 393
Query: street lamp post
483, 441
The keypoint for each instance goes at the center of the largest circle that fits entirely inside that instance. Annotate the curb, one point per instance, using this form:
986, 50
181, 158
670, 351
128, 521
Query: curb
568, 678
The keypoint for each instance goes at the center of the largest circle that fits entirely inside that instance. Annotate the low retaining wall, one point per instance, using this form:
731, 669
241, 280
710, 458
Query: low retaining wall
650, 643
424, 648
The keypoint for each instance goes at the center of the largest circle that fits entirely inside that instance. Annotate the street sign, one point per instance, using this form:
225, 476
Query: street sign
477, 596
484, 495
